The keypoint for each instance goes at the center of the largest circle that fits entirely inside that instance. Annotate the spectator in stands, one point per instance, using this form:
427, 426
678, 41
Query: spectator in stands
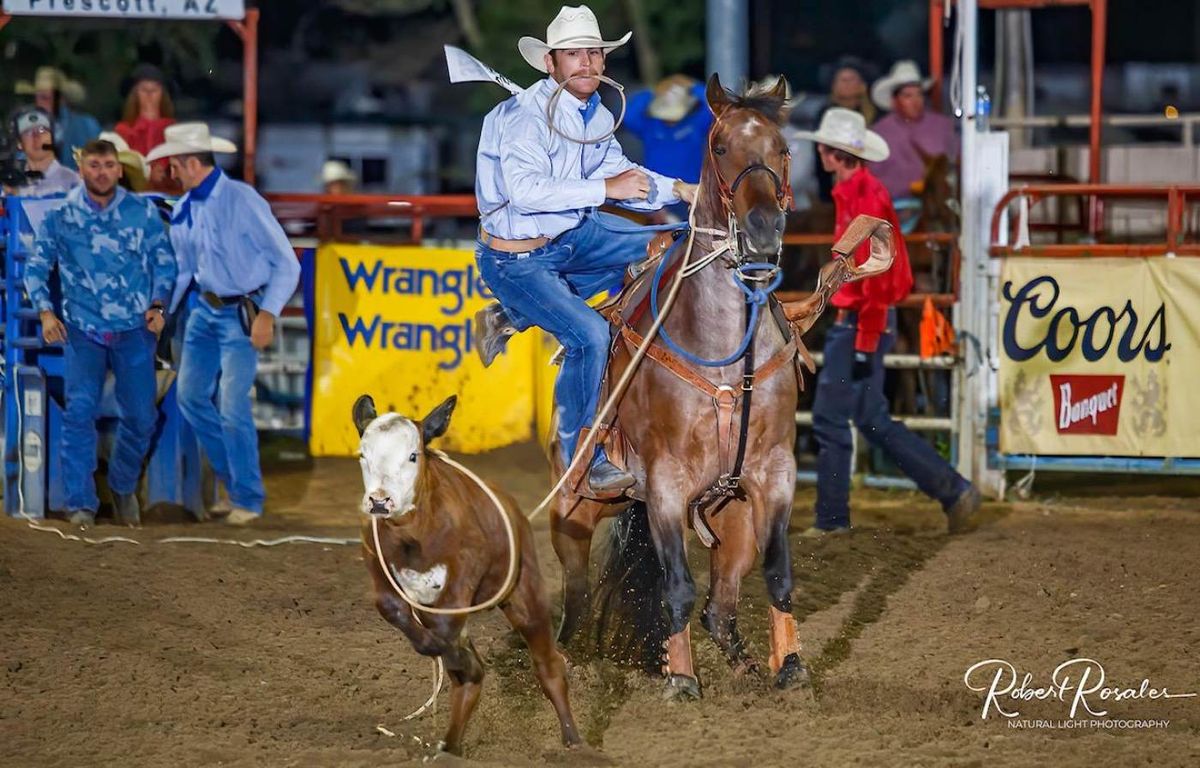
672, 121
850, 387
232, 249
35, 132
117, 271
147, 113
847, 89
53, 92
337, 178
910, 130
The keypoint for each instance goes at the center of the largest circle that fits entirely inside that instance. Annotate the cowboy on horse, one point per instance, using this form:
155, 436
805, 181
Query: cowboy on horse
546, 161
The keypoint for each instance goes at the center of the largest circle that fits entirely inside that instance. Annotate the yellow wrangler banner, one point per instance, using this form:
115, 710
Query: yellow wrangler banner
397, 323
1100, 357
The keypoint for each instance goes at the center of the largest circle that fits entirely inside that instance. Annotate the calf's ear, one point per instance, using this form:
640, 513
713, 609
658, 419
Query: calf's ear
438, 420
364, 413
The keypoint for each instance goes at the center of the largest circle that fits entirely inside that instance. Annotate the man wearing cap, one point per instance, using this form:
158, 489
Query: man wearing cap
117, 271
543, 248
53, 91
234, 253
850, 387
46, 176
910, 130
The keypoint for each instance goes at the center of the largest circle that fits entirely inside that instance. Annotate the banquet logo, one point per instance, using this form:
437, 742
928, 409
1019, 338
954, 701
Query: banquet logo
1087, 404
1066, 326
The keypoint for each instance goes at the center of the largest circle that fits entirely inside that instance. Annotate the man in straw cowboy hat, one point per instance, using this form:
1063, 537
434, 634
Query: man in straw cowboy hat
53, 91
910, 130
850, 387
45, 175
672, 121
235, 254
117, 271
543, 248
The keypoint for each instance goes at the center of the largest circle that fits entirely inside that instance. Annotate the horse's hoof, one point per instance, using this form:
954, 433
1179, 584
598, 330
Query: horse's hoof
793, 674
681, 688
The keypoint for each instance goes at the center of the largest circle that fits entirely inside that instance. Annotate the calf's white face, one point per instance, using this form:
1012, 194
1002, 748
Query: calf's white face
390, 456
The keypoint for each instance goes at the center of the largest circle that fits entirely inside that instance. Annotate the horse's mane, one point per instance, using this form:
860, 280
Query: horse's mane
762, 99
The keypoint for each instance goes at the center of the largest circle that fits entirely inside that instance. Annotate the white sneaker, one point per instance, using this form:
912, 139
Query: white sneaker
221, 506
239, 516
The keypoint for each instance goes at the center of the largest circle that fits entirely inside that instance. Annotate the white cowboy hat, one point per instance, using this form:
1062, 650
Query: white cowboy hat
846, 130
903, 73
189, 139
573, 27
336, 170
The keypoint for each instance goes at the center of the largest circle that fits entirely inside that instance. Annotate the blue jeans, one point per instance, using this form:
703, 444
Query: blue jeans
130, 356
216, 373
548, 287
839, 402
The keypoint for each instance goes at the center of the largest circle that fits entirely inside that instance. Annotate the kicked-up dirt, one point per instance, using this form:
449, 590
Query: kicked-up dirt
202, 654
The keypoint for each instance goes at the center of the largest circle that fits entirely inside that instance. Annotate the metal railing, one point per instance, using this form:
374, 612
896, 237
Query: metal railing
1185, 123
1175, 242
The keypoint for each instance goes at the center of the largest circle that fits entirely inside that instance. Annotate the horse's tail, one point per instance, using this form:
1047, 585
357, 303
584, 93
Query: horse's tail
631, 625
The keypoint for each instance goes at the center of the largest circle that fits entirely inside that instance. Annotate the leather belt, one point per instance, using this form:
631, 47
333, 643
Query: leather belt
511, 246
217, 302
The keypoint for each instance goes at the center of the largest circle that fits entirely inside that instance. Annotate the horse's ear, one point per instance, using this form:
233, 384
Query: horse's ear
364, 413
438, 420
717, 96
779, 93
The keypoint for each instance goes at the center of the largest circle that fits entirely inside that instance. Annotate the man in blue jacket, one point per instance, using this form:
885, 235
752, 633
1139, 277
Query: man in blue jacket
233, 251
117, 271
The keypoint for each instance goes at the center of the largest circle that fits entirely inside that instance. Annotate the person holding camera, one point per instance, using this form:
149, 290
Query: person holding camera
45, 175
117, 270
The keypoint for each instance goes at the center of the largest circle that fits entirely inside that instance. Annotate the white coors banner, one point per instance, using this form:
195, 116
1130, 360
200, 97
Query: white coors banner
129, 9
1100, 356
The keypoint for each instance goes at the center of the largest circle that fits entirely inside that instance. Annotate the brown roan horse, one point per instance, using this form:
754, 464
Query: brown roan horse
671, 425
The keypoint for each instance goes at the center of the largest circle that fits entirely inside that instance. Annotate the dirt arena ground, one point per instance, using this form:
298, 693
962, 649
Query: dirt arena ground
192, 654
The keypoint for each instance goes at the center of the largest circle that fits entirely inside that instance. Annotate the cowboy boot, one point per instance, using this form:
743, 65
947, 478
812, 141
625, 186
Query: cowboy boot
606, 477
492, 330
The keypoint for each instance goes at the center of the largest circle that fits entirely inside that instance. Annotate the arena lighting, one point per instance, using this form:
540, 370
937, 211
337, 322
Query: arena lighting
400, 203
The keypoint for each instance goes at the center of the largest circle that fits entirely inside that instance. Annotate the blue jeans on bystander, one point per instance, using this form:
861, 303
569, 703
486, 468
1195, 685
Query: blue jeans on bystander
89, 357
216, 374
841, 402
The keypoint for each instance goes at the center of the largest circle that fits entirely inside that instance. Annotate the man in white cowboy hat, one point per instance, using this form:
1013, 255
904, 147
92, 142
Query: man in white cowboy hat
543, 248
52, 91
850, 387
910, 129
46, 176
337, 178
243, 270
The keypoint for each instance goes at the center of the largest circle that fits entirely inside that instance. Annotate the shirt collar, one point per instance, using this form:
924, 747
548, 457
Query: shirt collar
205, 188
82, 199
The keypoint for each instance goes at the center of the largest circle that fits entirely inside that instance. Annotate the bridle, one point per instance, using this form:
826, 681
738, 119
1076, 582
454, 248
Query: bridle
734, 237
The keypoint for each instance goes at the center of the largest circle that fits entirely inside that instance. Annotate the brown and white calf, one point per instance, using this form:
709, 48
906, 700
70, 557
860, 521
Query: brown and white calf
445, 543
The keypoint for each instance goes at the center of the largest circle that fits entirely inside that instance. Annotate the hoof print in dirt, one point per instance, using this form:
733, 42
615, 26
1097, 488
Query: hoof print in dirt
681, 688
793, 674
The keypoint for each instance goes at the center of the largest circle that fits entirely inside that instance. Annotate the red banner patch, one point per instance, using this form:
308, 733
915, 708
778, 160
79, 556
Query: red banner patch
1087, 404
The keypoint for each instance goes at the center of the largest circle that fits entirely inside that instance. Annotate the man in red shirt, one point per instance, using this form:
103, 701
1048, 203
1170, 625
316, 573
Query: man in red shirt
850, 387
